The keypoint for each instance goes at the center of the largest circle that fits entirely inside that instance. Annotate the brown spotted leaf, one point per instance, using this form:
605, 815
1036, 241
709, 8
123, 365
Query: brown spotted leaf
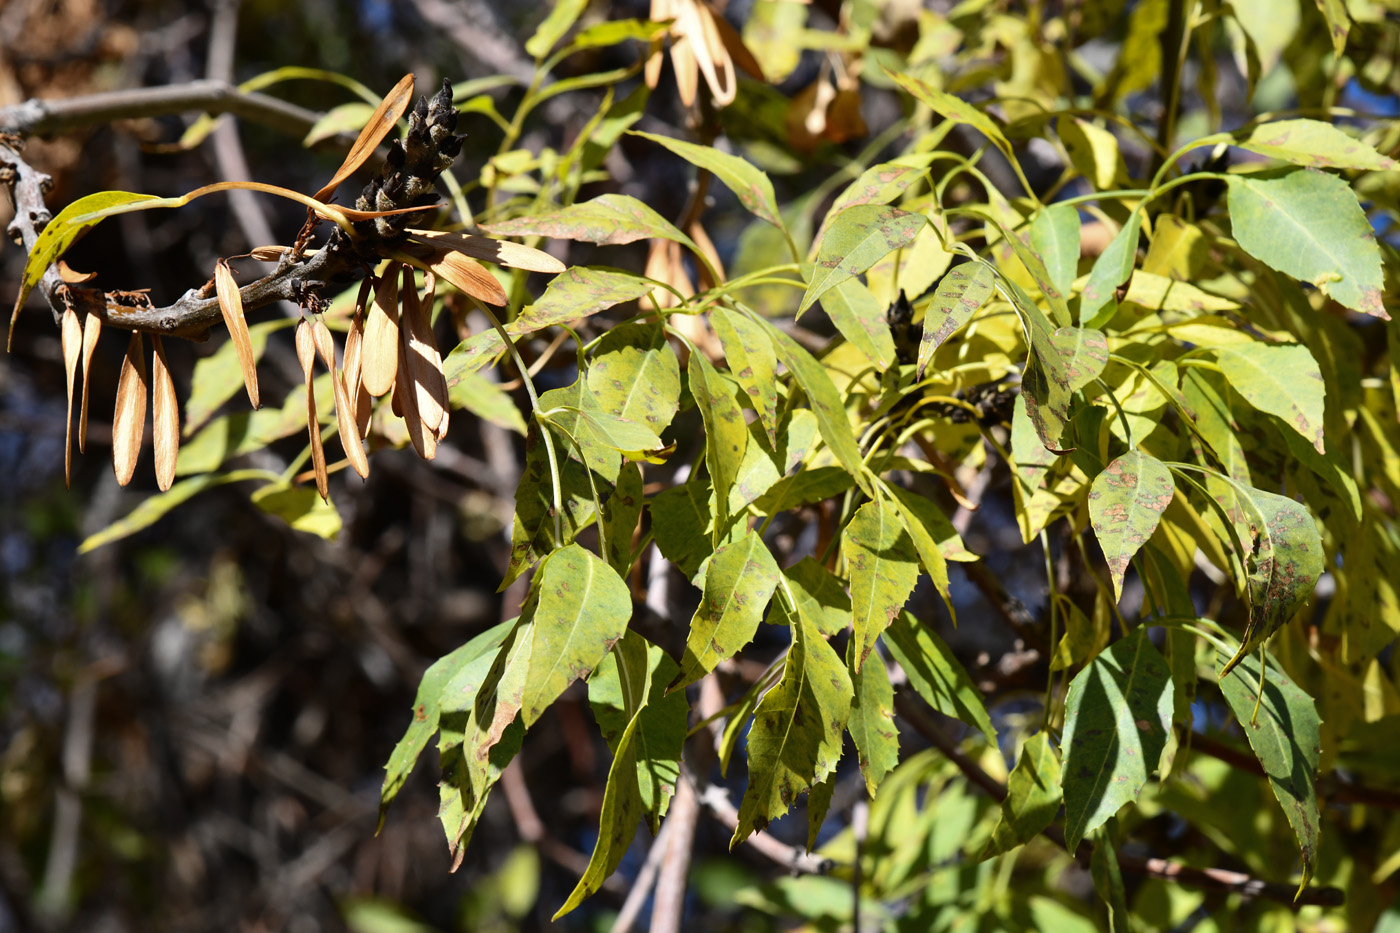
855, 240
165, 417
608, 220
1283, 380
884, 566
1084, 352
753, 362
963, 290
578, 293
1126, 502
739, 580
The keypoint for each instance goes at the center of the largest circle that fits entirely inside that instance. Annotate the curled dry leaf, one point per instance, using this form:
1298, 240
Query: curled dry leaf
129, 417
462, 272
306, 356
344, 415
380, 123
421, 354
72, 349
231, 306
379, 354
72, 277
92, 329
500, 252
165, 417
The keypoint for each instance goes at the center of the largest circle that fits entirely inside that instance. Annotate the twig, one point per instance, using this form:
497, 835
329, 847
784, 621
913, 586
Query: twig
641, 887
794, 858
1334, 790
532, 829
1216, 879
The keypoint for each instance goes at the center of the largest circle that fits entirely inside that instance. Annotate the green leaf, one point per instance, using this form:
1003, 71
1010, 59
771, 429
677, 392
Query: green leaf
957, 298
955, 109
533, 527
826, 403
871, 724
478, 351
578, 292
1033, 797
753, 363
611, 32
621, 512
1287, 561
344, 118
608, 220
154, 508
1108, 881
1338, 23
1117, 719
1113, 268
883, 566
618, 433
805, 487
635, 374
859, 237
61, 233
1285, 739
739, 175
585, 430
1308, 224
682, 519
631, 682
479, 395
879, 184
1083, 352
1283, 380
561, 17
935, 674
818, 805
762, 467
301, 507
1030, 258
1314, 144
860, 318
726, 431
819, 596
739, 581
795, 741
427, 707
1045, 382
1126, 502
219, 376
935, 528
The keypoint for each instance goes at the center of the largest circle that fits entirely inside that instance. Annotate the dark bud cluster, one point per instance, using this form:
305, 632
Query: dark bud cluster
900, 317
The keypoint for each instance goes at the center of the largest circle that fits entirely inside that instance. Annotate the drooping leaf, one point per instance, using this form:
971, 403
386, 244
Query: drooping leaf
934, 527
871, 724
1309, 225
1045, 382
956, 109
1314, 144
1084, 352
935, 674
859, 237
1338, 23
1033, 797
577, 293
818, 595
1281, 380
484, 398
635, 375
621, 512
1126, 502
1108, 880
962, 292
795, 741
884, 566
726, 431
1285, 738
860, 318
753, 363
736, 173
739, 581
533, 530
153, 508
608, 220
547, 35
1117, 719
1112, 269
631, 682
682, 519
1287, 561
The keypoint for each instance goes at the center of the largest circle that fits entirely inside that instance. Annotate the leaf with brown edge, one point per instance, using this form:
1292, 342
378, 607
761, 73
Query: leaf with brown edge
92, 329
231, 306
380, 123
72, 349
129, 418
501, 252
379, 351
461, 272
306, 356
344, 416
421, 354
165, 417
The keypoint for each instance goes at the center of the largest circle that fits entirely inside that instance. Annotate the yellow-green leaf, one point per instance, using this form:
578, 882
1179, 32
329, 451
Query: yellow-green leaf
739, 581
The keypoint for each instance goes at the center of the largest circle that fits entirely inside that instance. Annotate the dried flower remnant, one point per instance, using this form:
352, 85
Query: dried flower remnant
344, 413
92, 329
306, 356
702, 43
165, 417
72, 334
129, 416
379, 354
231, 307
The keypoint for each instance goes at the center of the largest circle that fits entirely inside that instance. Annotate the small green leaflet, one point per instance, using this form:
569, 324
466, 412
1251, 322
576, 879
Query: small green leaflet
1084, 352
635, 375
611, 32
1285, 739
300, 507
935, 674
155, 507
884, 567
1054, 298
1314, 144
1126, 502
1054, 236
1338, 23
478, 351
555, 25
859, 237
753, 363
621, 512
682, 518
1287, 561
919, 510
1308, 224
1117, 718
608, 220
1282, 380
795, 740
871, 724
739, 175
860, 318
218, 377
955, 109
1108, 880
60, 234
1113, 268
726, 431
344, 118
963, 290
1032, 797
578, 292
739, 581
479, 395
818, 595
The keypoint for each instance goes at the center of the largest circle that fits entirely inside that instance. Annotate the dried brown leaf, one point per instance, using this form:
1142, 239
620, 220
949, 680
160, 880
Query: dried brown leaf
72, 349
424, 439
379, 355
92, 329
461, 272
73, 277
711, 56
306, 356
380, 123
267, 253
500, 252
129, 418
344, 414
421, 353
738, 51
231, 306
165, 417
707, 246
